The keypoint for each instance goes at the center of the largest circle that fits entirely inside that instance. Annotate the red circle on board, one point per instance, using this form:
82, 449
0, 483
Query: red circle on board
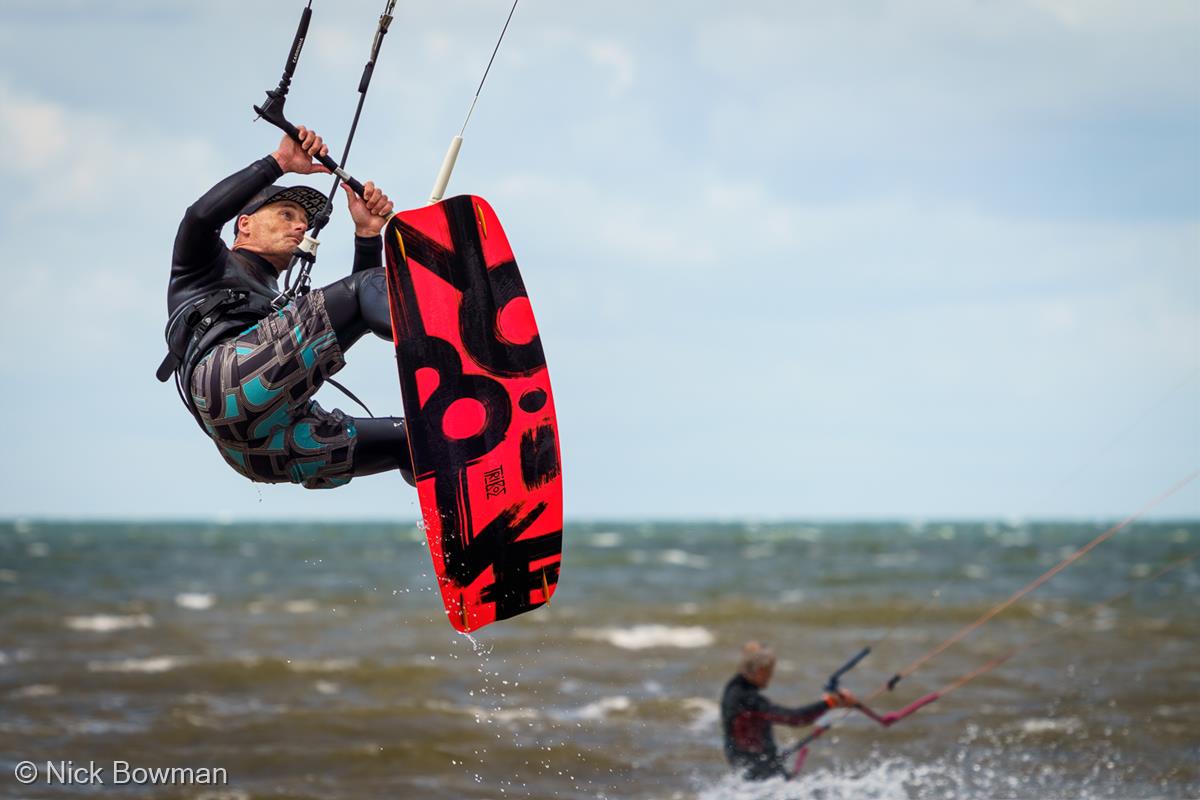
515, 322
427, 383
466, 417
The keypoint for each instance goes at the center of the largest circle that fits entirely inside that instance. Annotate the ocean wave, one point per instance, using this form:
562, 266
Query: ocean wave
890, 779
144, 665
756, 551
682, 558
300, 606
322, 664
107, 623
975, 571
195, 601
705, 713
482, 715
1067, 725
884, 779
604, 706
33, 691
642, 637
901, 558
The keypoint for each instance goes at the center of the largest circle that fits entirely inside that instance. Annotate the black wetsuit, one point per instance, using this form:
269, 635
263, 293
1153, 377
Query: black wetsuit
746, 719
202, 264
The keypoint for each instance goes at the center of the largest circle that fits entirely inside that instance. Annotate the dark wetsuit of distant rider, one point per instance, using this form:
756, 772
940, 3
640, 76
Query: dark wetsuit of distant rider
747, 716
249, 370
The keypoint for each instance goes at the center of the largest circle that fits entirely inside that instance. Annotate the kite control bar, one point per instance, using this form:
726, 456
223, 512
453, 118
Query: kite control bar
272, 108
800, 748
272, 112
832, 685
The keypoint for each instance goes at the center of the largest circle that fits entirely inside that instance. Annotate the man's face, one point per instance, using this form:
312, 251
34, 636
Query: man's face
762, 677
274, 230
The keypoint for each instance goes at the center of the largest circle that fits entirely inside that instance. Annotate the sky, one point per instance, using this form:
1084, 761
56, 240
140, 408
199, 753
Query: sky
790, 260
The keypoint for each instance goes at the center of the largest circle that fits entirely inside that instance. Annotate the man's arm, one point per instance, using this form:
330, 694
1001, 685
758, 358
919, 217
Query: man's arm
370, 213
805, 714
781, 715
368, 253
199, 238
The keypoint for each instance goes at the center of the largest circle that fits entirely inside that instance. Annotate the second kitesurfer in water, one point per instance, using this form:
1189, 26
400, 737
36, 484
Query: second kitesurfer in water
249, 370
747, 715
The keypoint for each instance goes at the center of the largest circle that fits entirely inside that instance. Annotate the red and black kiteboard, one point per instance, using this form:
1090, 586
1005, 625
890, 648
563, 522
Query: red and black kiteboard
479, 410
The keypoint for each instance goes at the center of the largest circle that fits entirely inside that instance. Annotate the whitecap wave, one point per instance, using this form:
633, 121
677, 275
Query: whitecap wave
898, 779
682, 558
482, 715
322, 664
144, 665
705, 713
605, 706
643, 637
195, 601
1068, 725
890, 779
300, 606
755, 551
107, 623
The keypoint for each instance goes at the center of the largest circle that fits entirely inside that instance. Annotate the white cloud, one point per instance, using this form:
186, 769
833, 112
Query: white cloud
896, 63
618, 226
83, 160
801, 227
607, 56
618, 60
336, 47
1119, 15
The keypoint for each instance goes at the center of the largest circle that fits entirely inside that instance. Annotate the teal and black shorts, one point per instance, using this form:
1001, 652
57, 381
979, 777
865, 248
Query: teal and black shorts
254, 397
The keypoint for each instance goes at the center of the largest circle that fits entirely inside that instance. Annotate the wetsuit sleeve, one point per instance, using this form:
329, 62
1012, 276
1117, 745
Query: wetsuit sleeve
782, 715
368, 253
198, 241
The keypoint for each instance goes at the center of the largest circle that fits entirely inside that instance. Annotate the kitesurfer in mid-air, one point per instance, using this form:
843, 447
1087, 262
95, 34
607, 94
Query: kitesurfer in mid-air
747, 715
248, 370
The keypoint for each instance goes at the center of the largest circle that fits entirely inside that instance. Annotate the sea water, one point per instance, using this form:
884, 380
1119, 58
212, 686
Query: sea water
315, 661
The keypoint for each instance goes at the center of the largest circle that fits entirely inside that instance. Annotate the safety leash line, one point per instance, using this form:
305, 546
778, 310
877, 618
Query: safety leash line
1057, 568
998, 660
800, 748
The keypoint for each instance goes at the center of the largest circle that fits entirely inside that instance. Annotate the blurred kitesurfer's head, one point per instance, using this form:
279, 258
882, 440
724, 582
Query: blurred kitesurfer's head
273, 223
757, 664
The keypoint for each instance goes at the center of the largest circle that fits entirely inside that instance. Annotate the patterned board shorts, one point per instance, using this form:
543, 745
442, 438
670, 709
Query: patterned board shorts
254, 397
